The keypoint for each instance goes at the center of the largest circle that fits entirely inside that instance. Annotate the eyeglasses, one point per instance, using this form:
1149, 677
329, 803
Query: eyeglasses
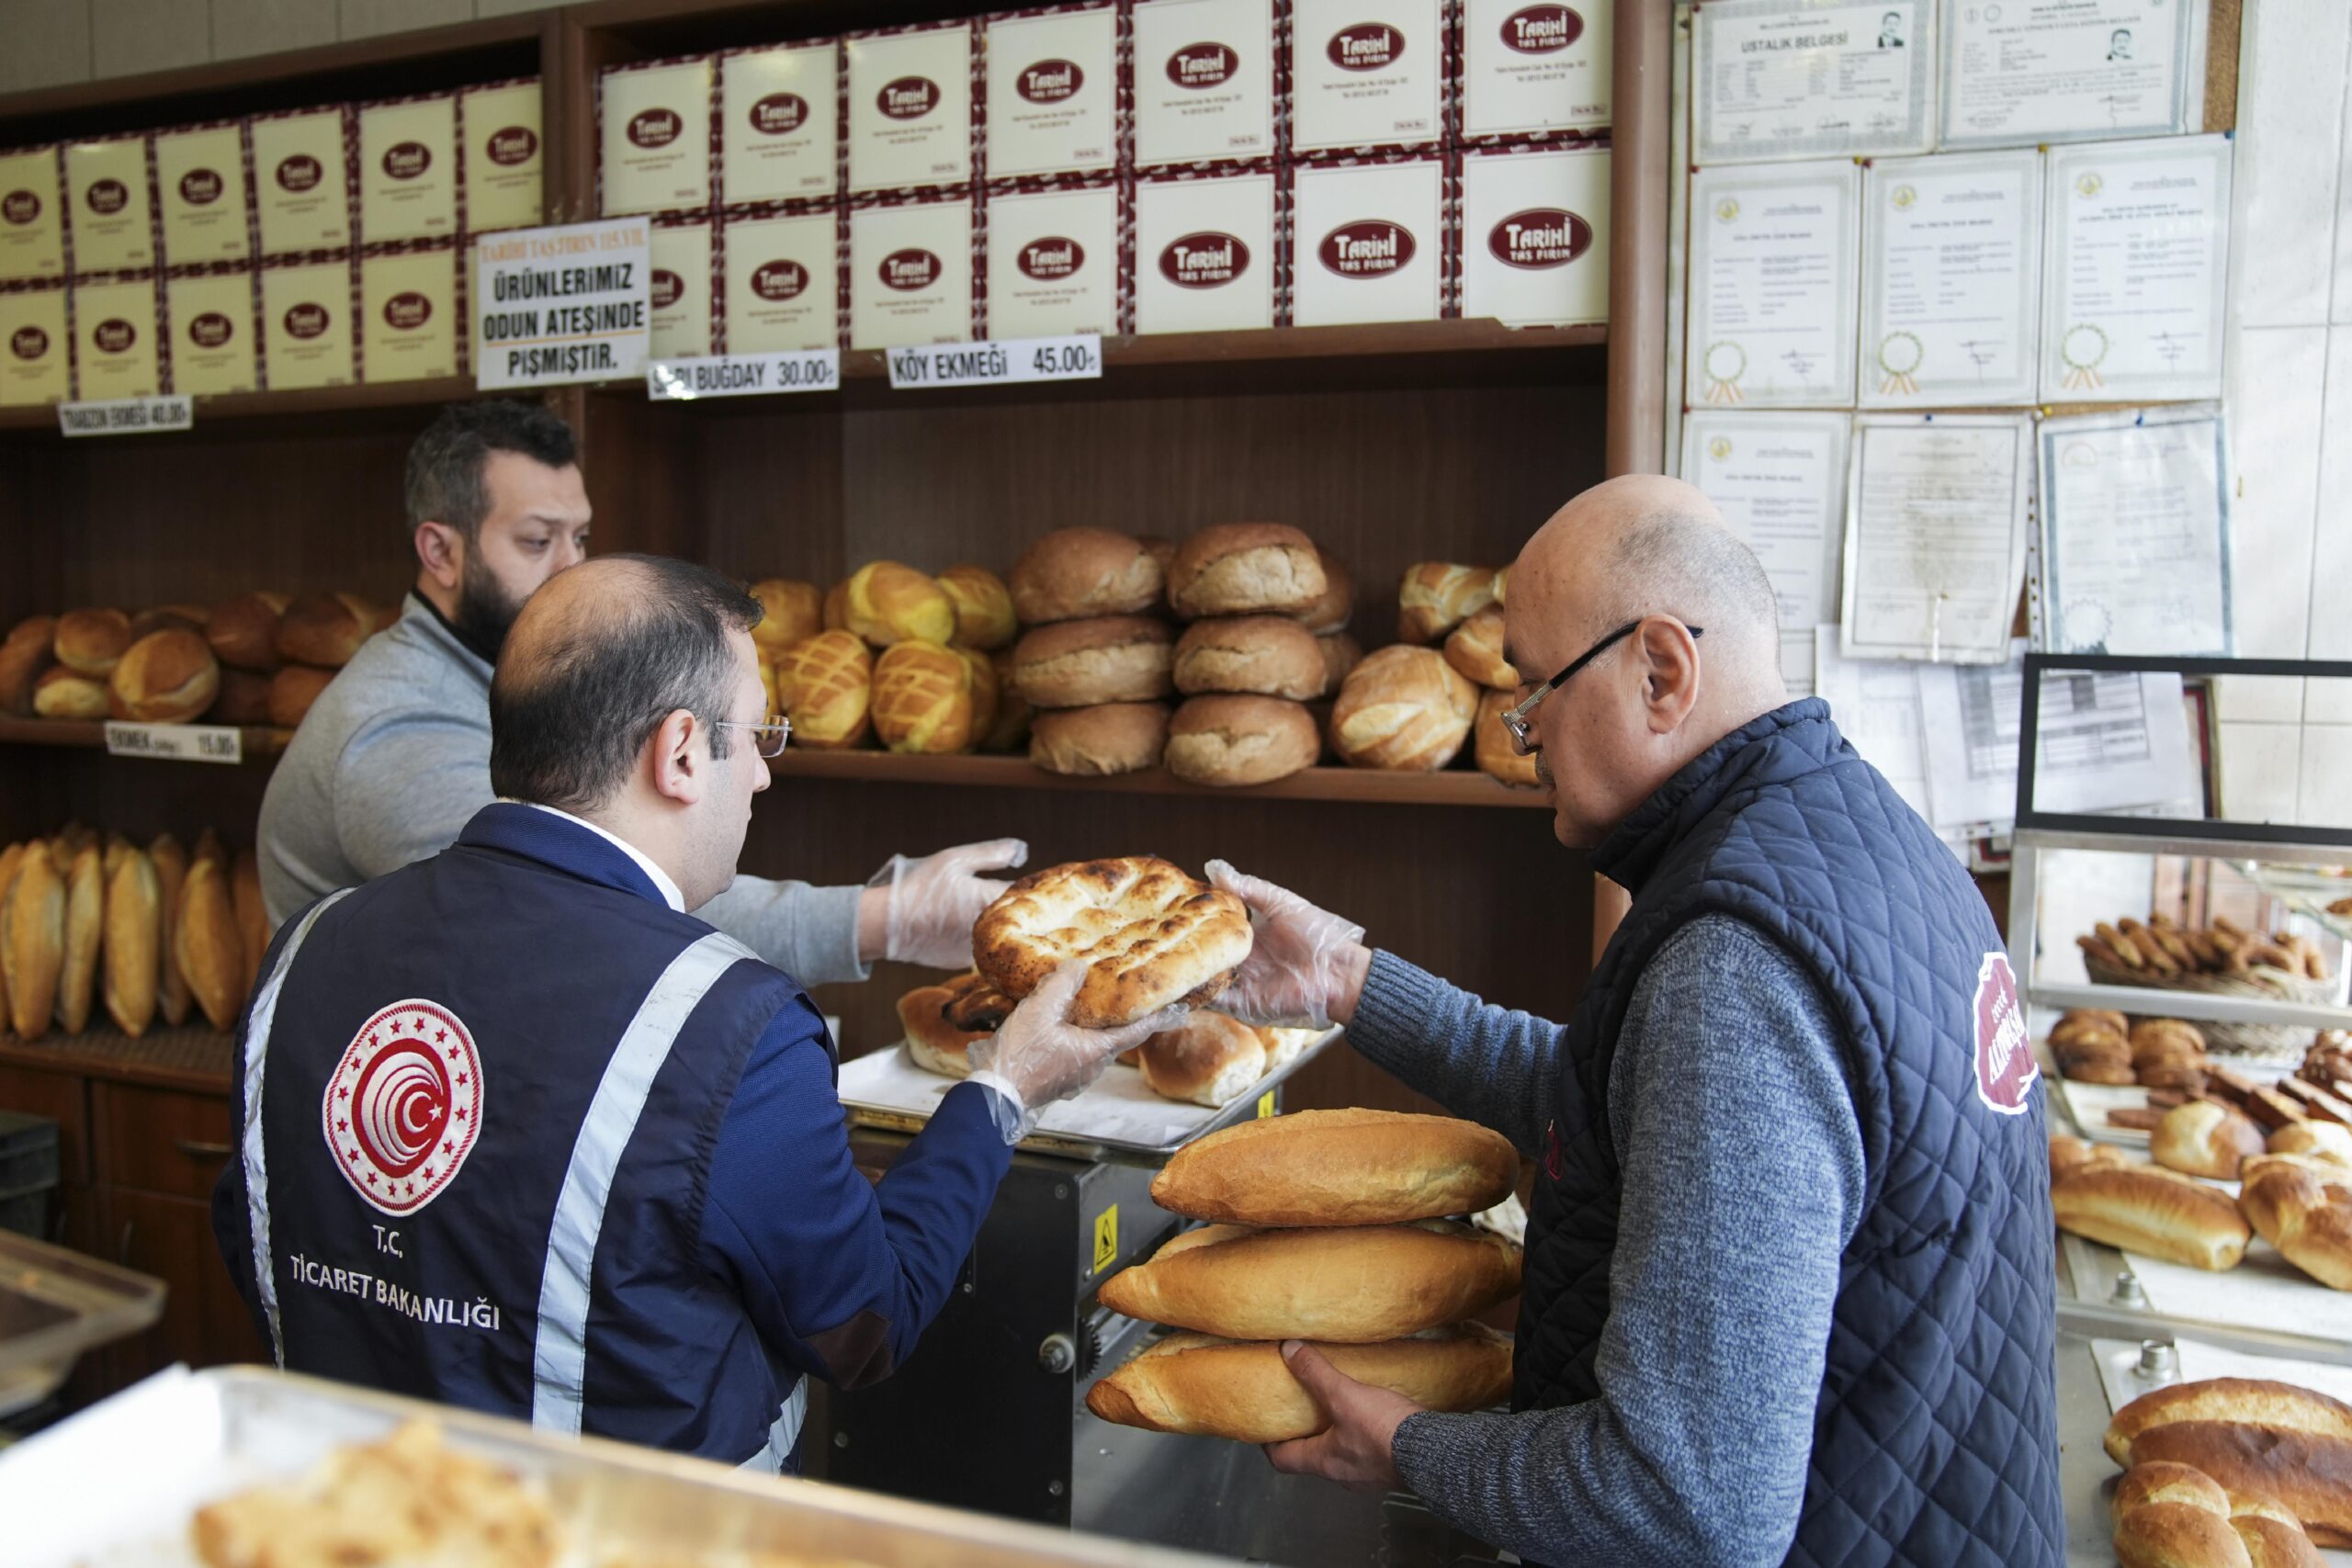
1519, 721
768, 738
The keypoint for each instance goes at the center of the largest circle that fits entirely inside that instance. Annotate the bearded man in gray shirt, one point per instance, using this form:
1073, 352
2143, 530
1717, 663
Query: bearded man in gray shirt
1789, 1291
393, 759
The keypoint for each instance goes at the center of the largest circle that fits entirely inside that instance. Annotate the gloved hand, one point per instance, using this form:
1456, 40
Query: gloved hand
933, 901
1039, 1057
1297, 955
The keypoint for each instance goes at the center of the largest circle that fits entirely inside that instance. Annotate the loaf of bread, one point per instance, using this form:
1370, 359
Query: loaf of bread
1245, 569
292, 690
243, 631
887, 604
984, 617
1476, 648
1437, 597
90, 642
1149, 934
67, 694
242, 699
325, 629
2073, 1153
27, 652
2326, 1140
1354, 1285
1404, 709
1341, 654
172, 997
2145, 1484
1207, 1059
2157, 1039
826, 686
2305, 1210
2306, 1472
1074, 573
32, 941
2253, 1402
1333, 611
985, 692
922, 698
790, 612
1093, 742
1491, 745
1271, 655
134, 929
168, 618
207, 944
2201, 1138
2276, 1543
2143, 1209
166, 677
1241, 740
1192, 1382
12, 856
85, 906
1109, 659
2177, 1535
2084, 1023
1338, 1168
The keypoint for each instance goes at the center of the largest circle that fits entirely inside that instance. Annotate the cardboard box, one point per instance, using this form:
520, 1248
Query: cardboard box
780, 123
306, 335
36, 365
910, 273
1370, 242
200, 181
654, 122
302, 184
1532, 68
111, 222
1053, 260
681, 289
1053, 92
1203, 81
910, 107
1206, 258
1366, 74
212, 315
32, 215
1535, 235
782, 272
115, 338
407, 169
505, 156
408, 308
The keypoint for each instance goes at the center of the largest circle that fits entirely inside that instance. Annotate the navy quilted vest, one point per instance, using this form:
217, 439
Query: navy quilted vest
1935, 1439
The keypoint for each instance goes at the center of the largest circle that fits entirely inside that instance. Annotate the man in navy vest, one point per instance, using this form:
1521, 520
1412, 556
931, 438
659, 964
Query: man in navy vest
1789, 1291
519, 1133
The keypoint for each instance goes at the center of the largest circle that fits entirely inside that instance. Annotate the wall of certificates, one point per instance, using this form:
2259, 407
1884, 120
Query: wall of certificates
1950, 329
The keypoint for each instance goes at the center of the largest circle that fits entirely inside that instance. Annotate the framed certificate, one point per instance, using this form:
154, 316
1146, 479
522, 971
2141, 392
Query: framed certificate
1951, 280
1774, 253
1935, 536
2026, 73
1780, 481
2135, 532
1811, 78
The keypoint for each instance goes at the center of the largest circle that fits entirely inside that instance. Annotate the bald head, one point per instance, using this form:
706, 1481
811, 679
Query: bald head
1645, 544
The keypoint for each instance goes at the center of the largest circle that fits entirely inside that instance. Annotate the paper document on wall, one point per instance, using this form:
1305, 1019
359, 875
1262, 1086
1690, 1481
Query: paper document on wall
1935, 536
1876, 706
2135, 532
1780, 481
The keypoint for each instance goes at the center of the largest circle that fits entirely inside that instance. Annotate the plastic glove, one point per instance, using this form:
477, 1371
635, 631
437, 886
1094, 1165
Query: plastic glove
1294, 964
1038, 1056
933, 901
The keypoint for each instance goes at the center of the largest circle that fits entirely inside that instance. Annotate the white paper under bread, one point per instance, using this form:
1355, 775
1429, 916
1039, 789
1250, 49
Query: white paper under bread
2264, 1291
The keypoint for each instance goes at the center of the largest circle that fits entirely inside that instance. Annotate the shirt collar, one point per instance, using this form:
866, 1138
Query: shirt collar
655, 874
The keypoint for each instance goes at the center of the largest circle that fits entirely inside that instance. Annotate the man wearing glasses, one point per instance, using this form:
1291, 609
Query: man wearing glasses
1789, 1283
521, 1134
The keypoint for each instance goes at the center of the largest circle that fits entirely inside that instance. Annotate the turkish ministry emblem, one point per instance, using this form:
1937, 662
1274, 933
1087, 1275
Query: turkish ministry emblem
404, 1106
2006, 1069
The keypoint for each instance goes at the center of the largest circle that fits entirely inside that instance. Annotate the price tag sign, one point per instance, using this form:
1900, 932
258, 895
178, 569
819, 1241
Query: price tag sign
1075, 358
127, 416
744, 375
176, 742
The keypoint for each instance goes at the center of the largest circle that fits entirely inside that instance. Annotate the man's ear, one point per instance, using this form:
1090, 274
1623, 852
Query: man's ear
679, 762
441, 551
1670, 673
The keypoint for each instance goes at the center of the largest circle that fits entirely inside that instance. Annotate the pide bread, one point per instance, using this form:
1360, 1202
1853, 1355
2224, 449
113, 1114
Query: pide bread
1437, 597
134, 927
1404, 709
30, 650
1074, 573
1193, 1382
1491, 745
1244, 569
1271, 655
1476, 648
2141, 1209
243, 631
2305, 1210
1207, 1059
1338, 1168
887, 604
924, 698
325, 629
292, 690
826, 686
89, 642
983, 605
32, 939
65, 692
167, 677
1331, 611
1109, 738
1109, 659
85, 906
1241, 739
2201, 1138
1148, 933
1353, 1285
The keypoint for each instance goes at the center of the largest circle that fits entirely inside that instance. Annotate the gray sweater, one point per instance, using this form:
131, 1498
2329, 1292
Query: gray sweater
393, 759
1742, 1169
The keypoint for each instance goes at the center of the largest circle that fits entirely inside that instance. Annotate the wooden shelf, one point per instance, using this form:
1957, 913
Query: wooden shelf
1358, 786
241, 406
258, 741
1269, 345
192, 1057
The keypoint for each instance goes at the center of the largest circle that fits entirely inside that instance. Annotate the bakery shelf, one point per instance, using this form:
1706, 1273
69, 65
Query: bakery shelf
258, 741
364, 398
192, 1057
1266, 346
1360, 785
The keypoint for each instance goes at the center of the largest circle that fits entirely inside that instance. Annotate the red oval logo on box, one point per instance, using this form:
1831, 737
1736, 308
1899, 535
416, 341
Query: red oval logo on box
1199, 65
299, 172
28, 343
114, 335
655, 128
1207, 260
1538, 238
306, 320
780, 280
1369, 247
1367, 46
210, 330
108, 196
1050, 81
19, 206
1542, 29
911, 269
407, 311
779, 114
514, 145
908, 98
1051, 258
200, 187
667, 287
406, 160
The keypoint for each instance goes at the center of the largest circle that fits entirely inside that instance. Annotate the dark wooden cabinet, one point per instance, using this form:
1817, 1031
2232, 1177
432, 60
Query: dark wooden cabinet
205, 1321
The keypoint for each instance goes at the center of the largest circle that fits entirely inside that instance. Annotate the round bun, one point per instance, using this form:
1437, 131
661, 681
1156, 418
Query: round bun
2326, 1140
1110, 738
825, 684
1207, 1059
1241, 740
1243, 569
1491, 745
1341, 654
983, 607
325, 629
244, 631
793, 612
1405, 709
1011, 730
889, 604
1073, 573
1437, 597
168, 617
1148, 933
30, 650
1329, 614
937, 1044
63, 692
243, 699
167, 677
1476, 648
90, 642
1110, 658
292, 690
924, 698
1271, 655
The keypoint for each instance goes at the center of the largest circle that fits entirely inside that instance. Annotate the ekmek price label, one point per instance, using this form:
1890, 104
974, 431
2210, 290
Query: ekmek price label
1078, 357
176, 742
744, 375
126, 417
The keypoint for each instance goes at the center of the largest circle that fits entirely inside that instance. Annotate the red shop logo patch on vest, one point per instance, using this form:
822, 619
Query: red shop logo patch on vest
2006, 1069
404, 1106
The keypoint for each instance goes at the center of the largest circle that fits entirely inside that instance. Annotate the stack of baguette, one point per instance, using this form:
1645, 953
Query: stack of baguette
1258, 596
1327, 1226
148, 932
2231, 1471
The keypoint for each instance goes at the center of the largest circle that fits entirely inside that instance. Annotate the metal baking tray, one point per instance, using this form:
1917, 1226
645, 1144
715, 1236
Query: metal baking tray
115, 1486
54, 1305
1117, 1119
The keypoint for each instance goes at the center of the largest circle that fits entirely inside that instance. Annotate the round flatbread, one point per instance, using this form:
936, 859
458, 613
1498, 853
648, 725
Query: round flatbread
1149, 934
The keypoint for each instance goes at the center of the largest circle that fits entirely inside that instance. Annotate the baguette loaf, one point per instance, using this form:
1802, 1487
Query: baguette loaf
134, 933
210, 951
2141, 1209
32, 941
85, 913
1338, 1168
2309, 1474
2250, 1401
11, 859
2145, 1484
1192, 1382
172, 997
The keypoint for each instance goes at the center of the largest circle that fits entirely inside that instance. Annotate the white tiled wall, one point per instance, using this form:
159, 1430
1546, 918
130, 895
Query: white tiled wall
44, 43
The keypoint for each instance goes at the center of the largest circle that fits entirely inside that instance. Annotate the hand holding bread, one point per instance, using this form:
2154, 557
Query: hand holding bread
1041, 1054
1299, 956
933, 899
1147, 933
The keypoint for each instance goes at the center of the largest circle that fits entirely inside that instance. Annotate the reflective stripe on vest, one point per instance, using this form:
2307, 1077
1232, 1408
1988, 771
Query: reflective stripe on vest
559, 1354
783, 1435
257, 1027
